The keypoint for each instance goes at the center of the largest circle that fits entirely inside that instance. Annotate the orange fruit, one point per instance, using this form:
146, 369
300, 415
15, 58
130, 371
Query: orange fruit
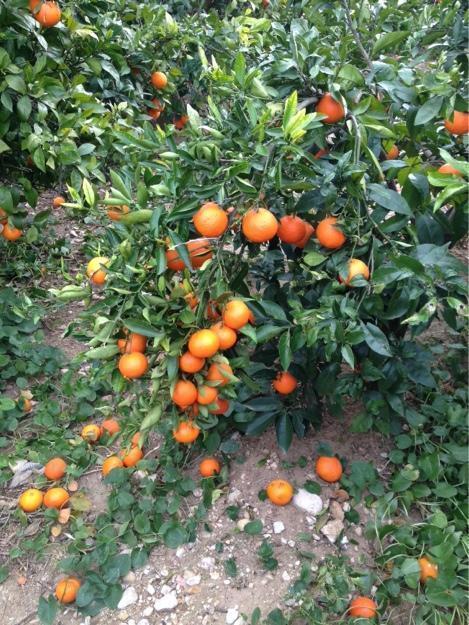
392, 153
328, 468
91, 433
357, 267
191, 299
199, 252
459, 124
113, 462
333, 110
155, 111
115, 212
47, 14
362, 607
27, 404
58, 201
329, 235
204, 344
259, 225
159, 80
67, 589
309, 231
56, 497
10, 233
111, 426
133, 365
222, 406
449, 170
292, 229
30, 500
191, 364
206, 395
95, 271
55, 469
3, 216
210, 220
285, 383
130, 458
220, 372
226, 335
135, 440
427, 569
180, 122
236, 314
133, 343
320, 153
209, 467
184, 393
186, 432
280, 492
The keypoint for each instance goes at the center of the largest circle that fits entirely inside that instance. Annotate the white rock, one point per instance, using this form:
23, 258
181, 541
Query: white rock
180, 551
167, 602
310, 503
232, 616
164, 573
143, 621
346, 506
165, 589
128, 598
291, 543
241, 524
191, 579
131, 622
332, 530
234, 496
147, 611
240, 621
285, 576
214, 575
150, 589
207, 563
278, 526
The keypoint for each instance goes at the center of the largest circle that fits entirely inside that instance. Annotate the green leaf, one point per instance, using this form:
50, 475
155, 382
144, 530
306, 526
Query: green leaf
284, 431
285, 351
291, 105
376, 339
231, 568
24, 107
312, 259
348, 355
352, 74
16, 83
4, 572
47, 610
388, 199
254, 527
142, 327
428, 111
119, 184
267, 332
453, 189
389, 40
175, 536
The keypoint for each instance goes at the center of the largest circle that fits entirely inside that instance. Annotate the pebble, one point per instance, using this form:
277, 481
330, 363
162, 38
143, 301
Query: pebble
191, 578
285, 576
165, 589
346, 507
231, 616
358, 530
234, 496
143, 621
167, 602
278, 526
130, 577
123, 615
150, 589
207, 563
241, 524
332, 530
128, 598
309, 502
147, 611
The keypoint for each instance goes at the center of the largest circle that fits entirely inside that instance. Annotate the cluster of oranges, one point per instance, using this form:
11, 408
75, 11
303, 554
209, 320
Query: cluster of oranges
56, 497
46, 12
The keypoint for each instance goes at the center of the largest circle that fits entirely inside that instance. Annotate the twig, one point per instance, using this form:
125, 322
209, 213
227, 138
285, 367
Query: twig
355, 33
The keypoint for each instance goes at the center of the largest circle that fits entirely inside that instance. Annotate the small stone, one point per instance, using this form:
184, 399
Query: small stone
123, 615
167, 602
231, 616
128, 598
147, 611
291, 543
346, 507
332, 530
131, 622
309, 502
285, 576
214, 575
143, 621
234, 496
164, 573
358, 530
191, 579
278, 526
165, 589
344, 541
150, 589
180, 551
207, 563
336, 510
241, 524
130, 577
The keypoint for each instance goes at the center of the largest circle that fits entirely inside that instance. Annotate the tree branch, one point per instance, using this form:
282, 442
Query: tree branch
356, 34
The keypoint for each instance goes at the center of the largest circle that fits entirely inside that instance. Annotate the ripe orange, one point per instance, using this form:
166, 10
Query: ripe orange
210, 220
133, 343
328, 468
30, 500
135, 440
309, 231
329, 235
58, 201
130, 458
95, 271
191, 299
222, 406
449, 170
206, 395
191, 364
220, 372
111, 426
199, 252
10, 233
55, 469
48, 14
459, 124
91, 433
236, 314
362, 607
209, 467
333, 110
184, 393
259, 225
113, 462
27, 404
3, 216
392, 153
226, 335
115, 212
186, 432
67, 589
357, 267
133, 365
427, 569
180, 122
56, 497
204, 344
292, 229
159, 80
285, 383
280, 492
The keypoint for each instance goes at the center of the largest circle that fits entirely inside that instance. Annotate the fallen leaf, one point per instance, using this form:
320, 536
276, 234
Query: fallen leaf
55, 531
80, 502
21, 581
73, 486
64, 515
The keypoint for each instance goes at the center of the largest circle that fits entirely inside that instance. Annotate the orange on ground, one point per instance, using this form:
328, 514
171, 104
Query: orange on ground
280, 492
56, 497
180, 122
55, 469
329, 235
133, 365
30, 500
113, 462
363, 607
357, 267
199, 251
392, 153
58, 201
309, 231
48, 14
159, 80
328, 468
292, 229
133, 343
10, 233
220, 372
184, 393
210, 220
191, 364
206, 395
115, 212
135, 440
285, 383
458, 124
209, 467
226, 335
95, 271
204, 344
427, 569
67, 589
259, 225
130, 458
222, 406
449, 170
91, 433
27, 404
236, 314
333, 110
186, 432
111, 426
